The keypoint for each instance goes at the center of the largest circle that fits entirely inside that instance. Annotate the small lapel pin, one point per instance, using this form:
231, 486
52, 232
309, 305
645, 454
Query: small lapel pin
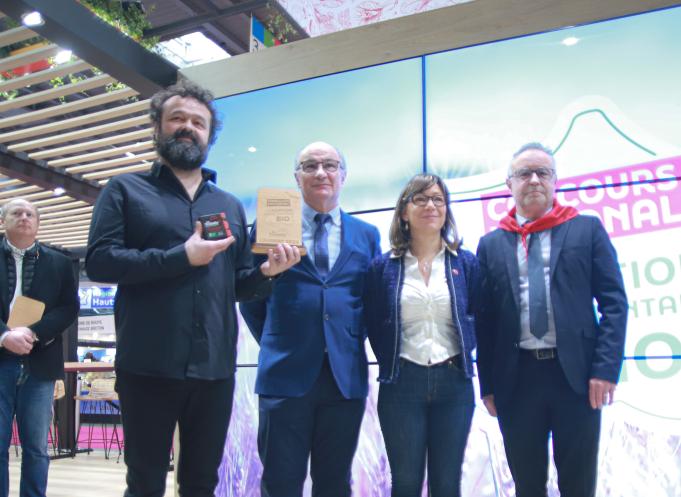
455, 272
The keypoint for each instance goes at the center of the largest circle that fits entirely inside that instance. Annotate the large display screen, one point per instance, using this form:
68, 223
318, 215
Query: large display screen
607, 99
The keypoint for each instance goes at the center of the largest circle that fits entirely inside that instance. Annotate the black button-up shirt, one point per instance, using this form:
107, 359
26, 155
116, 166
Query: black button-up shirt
172, 319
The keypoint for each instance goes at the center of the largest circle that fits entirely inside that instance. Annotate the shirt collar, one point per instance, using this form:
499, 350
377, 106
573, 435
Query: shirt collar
522, 219
159, 169
17, 252
309, 214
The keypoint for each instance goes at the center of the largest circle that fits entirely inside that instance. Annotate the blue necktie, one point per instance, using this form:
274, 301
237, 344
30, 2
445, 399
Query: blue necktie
321, 244
539, 319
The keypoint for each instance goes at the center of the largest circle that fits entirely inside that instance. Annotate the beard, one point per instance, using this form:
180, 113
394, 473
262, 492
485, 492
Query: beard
181, 154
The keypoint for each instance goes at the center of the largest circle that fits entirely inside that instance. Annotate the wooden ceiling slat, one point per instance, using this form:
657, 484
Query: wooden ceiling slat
66, 225
58, 110
56, 92
120, 161
18, 192
56, 219
65, 238
16, 35
77, 159
46, 234
10, 182
83, 226
81, 133
119, 170
63, 207
24, 58
54, 200
31, 197
75, 121
64, 212
57, 232
42, 76
76, 231
57, 239
92, 144
58, 223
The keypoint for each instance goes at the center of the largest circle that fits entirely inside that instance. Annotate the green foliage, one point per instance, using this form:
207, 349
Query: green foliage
130, 21
9, 95
279, 26
115, 86
57, 82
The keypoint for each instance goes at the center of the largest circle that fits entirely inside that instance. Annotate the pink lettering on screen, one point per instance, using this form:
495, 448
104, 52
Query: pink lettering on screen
623, 210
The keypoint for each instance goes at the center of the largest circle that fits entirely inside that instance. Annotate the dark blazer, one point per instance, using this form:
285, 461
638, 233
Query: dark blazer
307, 314
54, 283
382, 304
583, 268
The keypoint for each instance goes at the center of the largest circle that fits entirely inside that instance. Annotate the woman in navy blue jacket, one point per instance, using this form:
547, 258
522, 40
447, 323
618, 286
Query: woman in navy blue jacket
420, 325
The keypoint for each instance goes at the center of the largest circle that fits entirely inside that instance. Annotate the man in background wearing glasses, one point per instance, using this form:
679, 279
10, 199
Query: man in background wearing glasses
312, 368
547, 361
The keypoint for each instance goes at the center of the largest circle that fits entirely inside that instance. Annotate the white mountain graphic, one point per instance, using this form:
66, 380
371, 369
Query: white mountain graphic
590, 134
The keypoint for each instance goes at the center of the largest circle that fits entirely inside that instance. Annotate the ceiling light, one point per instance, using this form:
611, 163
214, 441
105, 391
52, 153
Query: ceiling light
570, 41
252, 149
32, 19
59, 191
63, 56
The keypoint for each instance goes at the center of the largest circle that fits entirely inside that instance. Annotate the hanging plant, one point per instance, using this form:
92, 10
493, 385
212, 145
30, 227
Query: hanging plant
129, 20
280, 28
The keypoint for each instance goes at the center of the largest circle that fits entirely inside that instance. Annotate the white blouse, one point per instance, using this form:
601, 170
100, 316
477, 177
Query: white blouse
428, 332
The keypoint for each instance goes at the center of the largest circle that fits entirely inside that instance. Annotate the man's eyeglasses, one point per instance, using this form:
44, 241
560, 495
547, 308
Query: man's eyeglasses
526, 173
421, 200
311, 166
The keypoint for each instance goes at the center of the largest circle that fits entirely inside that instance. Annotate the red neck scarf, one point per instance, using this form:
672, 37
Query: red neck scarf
557, 215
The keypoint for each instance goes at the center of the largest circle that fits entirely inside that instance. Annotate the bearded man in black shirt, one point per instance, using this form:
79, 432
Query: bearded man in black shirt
176, 321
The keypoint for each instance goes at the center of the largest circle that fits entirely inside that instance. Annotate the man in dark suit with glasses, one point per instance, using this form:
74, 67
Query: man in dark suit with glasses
547, 360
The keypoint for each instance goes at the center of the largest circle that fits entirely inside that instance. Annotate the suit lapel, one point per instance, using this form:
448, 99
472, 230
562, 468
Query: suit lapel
558, 236
510, 251
307, 264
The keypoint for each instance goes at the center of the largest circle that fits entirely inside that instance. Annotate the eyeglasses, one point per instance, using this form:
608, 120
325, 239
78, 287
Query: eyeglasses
311, 166
421, 200
526, 173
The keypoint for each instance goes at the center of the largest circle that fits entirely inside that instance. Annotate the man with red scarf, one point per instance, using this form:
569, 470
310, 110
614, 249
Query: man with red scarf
548, 360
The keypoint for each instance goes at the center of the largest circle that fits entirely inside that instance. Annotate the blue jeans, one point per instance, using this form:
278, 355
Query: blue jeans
426, 416
30, 400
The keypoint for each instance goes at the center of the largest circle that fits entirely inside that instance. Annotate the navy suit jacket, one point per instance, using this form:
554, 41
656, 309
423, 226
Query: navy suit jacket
583, 267
306, 314
54, 283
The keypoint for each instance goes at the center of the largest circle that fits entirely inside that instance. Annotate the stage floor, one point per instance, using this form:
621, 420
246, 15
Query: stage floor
86, 475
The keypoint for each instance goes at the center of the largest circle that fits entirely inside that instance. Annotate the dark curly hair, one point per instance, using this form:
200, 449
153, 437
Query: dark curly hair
185, 88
